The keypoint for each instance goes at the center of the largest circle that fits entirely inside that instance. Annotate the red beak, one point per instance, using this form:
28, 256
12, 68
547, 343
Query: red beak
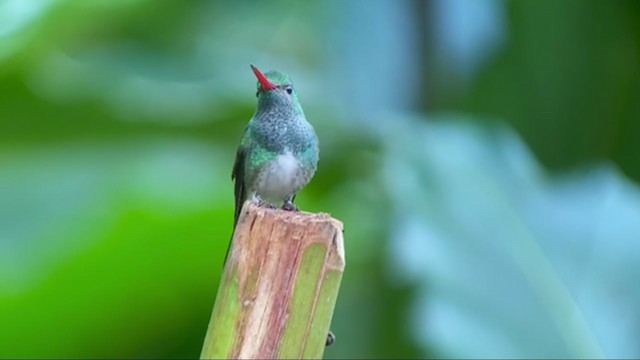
264, 82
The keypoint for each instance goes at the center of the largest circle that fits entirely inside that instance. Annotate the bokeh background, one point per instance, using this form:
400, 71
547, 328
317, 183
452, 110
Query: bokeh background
483, 156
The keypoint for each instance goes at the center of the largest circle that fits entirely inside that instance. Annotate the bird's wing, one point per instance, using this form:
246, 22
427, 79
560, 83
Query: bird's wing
238, 176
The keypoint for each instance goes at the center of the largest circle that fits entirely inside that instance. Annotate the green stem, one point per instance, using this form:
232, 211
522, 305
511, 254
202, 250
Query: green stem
279, 287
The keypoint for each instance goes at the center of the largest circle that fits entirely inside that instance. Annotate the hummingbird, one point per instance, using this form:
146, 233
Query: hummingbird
279, 151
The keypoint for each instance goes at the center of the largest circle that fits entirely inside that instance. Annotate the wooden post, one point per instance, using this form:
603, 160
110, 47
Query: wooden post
279, 287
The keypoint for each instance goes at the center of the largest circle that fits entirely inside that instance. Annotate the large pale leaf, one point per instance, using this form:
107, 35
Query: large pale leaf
511, 261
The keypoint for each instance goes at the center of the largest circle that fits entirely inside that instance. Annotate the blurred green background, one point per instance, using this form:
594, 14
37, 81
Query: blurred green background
483, 156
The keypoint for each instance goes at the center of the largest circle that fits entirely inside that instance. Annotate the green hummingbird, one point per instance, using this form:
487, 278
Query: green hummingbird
279, 151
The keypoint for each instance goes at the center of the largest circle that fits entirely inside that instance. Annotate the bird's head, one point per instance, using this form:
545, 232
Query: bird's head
275, 88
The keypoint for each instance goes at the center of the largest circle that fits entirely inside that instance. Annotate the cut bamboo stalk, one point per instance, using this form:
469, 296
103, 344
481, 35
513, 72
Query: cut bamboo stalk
279, 287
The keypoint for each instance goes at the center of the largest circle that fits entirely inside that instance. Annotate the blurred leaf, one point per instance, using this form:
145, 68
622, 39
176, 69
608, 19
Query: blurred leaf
101, 243
512, 263
568, 81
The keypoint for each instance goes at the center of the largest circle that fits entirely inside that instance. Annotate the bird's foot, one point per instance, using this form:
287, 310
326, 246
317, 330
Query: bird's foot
263, 203
330, 339
289, 206
266, 204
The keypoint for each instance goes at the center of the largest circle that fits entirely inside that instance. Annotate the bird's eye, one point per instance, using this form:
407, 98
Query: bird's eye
289, 90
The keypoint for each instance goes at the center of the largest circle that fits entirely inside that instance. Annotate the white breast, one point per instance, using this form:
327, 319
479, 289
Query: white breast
280, 179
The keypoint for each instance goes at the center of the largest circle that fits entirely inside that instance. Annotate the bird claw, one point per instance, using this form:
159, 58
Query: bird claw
263, 203
330, 339
267, 205
289, 206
